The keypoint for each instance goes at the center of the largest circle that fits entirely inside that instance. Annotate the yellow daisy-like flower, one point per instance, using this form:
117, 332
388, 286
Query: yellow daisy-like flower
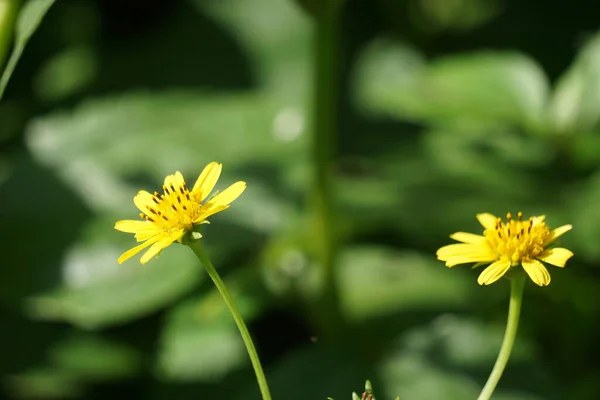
508, 244
167, 217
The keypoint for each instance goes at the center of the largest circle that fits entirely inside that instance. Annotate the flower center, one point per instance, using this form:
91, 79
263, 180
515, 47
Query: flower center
518, 240
176, 209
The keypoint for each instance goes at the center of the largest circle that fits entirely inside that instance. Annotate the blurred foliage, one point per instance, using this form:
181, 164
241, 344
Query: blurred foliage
448, 108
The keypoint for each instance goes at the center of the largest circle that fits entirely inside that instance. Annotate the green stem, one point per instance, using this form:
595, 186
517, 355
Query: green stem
517, 284
8, 16
325, 115
239, 321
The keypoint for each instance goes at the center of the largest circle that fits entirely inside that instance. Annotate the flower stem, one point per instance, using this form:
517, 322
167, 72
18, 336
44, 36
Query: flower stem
196, 246
517, 284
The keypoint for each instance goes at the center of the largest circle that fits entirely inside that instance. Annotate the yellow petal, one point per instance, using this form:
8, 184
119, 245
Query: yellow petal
207, 180
130, 226
132, 252
488, 221
461, 253
465, 237
145, 235
494, 272
142, 201
557, 256
174, 182
558, 232
156, 248
228, 195
537, 272
539, 219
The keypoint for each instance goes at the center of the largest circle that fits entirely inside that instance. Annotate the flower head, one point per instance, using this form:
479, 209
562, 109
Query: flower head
167, 217
509, 244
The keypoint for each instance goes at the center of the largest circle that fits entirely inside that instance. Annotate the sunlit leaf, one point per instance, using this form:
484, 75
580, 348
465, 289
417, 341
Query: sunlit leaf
574, 102
103, 143
484, 88
375, 281
98, 292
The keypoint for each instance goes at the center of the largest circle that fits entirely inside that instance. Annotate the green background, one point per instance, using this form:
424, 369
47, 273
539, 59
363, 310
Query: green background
446, 109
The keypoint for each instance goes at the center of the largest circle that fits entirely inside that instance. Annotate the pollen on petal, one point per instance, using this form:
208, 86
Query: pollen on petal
493, 272
537, 272
143, 200
557, 256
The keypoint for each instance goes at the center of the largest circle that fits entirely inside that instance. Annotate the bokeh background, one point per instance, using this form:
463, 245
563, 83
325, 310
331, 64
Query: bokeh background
446, 108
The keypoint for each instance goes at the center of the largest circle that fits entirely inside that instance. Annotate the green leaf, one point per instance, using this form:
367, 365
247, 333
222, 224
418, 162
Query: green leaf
94, 358
103, 143
98, 292
43, 383
574, 105
483, 88
429, 362
30, 17
377, 281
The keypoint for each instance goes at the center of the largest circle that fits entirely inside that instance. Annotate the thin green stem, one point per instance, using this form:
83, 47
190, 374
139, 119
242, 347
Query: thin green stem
239, 321
8, 16
517, 284
325, 116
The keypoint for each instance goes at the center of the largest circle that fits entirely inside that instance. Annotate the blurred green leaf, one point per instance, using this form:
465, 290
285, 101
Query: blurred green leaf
43, 383
277, 37
200, 340
484, 88
428, 362
30, 17
376, 281
574, 105
98, 292
141, 135
94, 358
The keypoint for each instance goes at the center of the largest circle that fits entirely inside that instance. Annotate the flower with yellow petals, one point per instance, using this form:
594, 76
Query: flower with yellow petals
509, 244
169, 216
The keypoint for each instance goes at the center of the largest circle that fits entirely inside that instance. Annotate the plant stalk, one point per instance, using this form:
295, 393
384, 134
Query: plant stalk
325, 125
196, 246
517, 284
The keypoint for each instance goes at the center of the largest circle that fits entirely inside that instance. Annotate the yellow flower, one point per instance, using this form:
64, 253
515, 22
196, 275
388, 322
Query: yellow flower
506, 245
170, 215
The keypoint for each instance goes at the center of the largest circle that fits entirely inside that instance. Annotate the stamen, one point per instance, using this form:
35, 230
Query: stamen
173, 207
165, 218
166, 189
172, 188
509, 216
520, 216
